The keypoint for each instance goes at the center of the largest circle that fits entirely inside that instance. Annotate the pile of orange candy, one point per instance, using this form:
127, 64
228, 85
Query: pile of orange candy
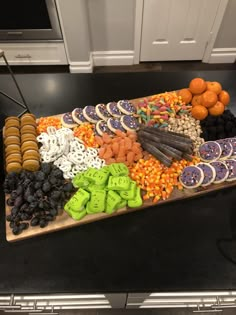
45, 122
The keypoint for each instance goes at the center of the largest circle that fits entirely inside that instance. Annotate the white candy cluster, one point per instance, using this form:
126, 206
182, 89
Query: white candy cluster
189, 126
67, 152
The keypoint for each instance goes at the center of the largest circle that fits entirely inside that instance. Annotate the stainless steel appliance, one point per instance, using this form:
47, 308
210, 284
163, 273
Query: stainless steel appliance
29, 20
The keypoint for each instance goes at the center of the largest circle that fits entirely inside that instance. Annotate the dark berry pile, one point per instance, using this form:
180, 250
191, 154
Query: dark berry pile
36, 197
219, 127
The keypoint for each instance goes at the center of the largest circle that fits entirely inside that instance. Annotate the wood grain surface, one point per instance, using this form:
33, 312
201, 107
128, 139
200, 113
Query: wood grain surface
64, 221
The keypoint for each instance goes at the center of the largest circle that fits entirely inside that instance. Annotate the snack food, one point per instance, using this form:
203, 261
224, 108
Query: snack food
68, 121
102, 112
191, 177
113, 110
226, 147
129, 122
89, 113
114, 124
209, 173
210, 151
222, 171
101, 127
126, 107
77, 115
231, 164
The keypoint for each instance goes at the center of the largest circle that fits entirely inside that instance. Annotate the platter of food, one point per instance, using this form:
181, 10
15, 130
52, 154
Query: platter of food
101, 161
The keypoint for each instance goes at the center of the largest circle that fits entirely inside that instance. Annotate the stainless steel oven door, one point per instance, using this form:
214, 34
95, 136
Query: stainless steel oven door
34, 34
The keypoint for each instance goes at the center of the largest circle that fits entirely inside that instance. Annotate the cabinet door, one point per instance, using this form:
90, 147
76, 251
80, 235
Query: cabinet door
176, 29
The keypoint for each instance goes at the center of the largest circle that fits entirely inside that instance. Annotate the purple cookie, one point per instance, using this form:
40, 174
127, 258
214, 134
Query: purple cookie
222, 171
68, 121
90, 114
210, 151
233, 142
231, 164
129, 122
126, 107
191, 177
101, 128
102, 112
115, 124
209, 173
226, 147
113, 109
78, 116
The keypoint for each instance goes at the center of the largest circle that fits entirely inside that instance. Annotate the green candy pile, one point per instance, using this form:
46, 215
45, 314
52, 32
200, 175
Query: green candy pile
105, 190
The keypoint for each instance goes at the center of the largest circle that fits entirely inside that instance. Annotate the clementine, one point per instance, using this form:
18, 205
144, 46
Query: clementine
197, 86
214, 87
186, 95
217, 109
224, 97
197, 100
209, 98
199, 112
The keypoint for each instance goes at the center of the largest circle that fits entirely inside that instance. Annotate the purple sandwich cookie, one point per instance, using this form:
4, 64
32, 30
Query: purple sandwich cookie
209, 151
102, 112
126, 107
222, 171
78, 116
233, 142
129, 122
231, 164
68, 121
226, 147
209, 173
101, 128
90, 114
113, 110
115, 124
191, 177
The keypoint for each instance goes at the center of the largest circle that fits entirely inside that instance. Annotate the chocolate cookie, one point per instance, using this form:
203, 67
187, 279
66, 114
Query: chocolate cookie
209, 173
210, 151
126, 107
191, 177
78, 116
102, 112
68, 121
114, 124
222, 171
231, 164
89, 113
113, 110
226, 147
129, 122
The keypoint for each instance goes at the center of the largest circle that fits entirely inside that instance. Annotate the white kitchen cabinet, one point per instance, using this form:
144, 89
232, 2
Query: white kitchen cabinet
34, 53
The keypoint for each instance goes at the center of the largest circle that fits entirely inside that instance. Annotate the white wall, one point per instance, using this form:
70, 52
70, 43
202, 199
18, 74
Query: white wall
74, 21
226, 37
111, 24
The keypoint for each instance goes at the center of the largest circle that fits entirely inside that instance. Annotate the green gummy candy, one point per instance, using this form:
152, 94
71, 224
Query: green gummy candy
88, 210
113, 200
105, 169
80, 181
137, 201
78, 201
78, 215
129, 194
92, 187
119, 169
90, 174
97, 201
122, 204
118, 183
100, 177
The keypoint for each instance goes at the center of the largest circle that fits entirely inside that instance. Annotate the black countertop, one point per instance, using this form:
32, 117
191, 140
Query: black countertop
173, 247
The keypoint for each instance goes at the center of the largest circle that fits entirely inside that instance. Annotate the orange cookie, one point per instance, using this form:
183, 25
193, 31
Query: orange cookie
11, 140
11, 147
31, 165
28, 115
12, 123
12, 118
12, 131
28, 145
31, 154
14, 151
28, 137
14, 167
14, 157
28, 121
28, 129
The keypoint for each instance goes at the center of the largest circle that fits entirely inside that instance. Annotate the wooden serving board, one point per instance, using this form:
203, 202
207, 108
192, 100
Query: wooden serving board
64, 221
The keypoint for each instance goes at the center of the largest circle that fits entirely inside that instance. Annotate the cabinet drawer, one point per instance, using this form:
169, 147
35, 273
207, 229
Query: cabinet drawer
34, 53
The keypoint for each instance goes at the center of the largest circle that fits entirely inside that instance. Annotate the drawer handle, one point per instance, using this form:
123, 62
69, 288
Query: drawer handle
23, 56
